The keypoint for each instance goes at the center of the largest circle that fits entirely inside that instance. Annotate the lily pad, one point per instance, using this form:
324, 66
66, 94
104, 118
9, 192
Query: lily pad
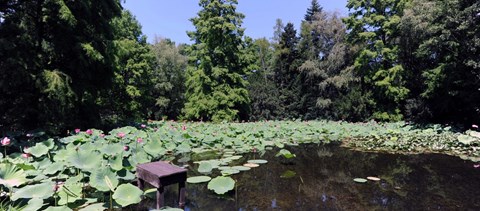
230, 171
360, 180
257, 161
205, 167
241, 168
198, 179
127, 194
221, 184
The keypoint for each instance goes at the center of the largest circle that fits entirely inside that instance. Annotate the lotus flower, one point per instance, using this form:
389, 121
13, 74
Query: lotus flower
102, 135
475, 126
126, 148
143, 126
26, 155
139, 140
29, 135
121, 135
184, 127
77, 130
476, 166
89, 132
5, 141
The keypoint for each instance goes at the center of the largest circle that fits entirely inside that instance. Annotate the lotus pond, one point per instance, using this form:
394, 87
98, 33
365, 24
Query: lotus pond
301, 166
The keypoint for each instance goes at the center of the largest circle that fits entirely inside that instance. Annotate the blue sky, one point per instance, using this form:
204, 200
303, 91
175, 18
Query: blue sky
170, 18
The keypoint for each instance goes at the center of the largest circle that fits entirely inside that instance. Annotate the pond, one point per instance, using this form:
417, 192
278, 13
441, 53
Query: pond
320, 177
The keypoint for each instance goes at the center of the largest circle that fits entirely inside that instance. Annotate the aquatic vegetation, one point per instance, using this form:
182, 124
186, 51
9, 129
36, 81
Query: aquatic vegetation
94, 165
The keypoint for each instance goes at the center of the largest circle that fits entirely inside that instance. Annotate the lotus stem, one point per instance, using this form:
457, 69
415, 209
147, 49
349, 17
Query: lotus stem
111, 203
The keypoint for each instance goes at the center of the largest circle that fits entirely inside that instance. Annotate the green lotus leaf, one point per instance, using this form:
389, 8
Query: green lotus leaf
138, 158
221, 184
230, 172
465, 139
183, 148
205, 167
116, 163
85, 160
94, 207
257, 161
112, 149
43, 191
474, 134
198, 179
70, 192
127, 194
288, 174
168, 209
241, 168
125, 175
11, 175
154, 148
98, 180
38, 150
360, 180
221, 168
33, 204
62, 208
285, 153
53, 168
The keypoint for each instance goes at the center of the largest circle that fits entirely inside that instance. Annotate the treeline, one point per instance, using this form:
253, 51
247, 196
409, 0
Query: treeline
69, 64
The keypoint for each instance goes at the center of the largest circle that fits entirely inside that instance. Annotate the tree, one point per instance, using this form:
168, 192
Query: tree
286, 74
55, 59
374, 24
312, 10
216, 84
169, 78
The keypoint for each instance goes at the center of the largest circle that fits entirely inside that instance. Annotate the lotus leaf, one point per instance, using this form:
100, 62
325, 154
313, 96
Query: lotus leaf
258, 161
112, 149
38, 150
465, 139
11, 175
154, 148
62, 208
98, 180
53, 168
33, 204
183, 148
251, 165
43, 191
69, 192
285, 153
241, 168
125, 175
221, 184
94, 207
474, 134
116, 163
205, 167
138, 158
127, 194
360, 180
198, 179
288, 174
85, 160
230, 171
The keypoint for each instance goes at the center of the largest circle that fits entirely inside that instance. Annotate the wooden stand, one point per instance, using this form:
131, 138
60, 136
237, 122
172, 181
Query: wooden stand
160, 174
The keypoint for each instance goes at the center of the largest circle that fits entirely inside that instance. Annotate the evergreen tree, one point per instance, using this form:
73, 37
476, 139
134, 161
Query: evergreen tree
375, 25
216, 83
312, 10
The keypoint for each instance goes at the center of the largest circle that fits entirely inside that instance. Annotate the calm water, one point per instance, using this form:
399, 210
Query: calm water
324, 181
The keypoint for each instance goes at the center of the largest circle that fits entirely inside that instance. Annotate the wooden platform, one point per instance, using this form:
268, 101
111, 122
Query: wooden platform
160, 174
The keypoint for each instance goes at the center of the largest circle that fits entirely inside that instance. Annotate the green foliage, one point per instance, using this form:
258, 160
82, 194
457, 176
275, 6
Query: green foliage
215, 85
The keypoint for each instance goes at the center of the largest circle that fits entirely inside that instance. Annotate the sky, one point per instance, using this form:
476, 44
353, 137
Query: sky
170, 18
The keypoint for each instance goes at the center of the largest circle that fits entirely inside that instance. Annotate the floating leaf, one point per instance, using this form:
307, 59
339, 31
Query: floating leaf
257, 161
221, 184
288, 174
43, 191
465, 139
241, 168
198, 179
285, 153
230, 171
11, 175
154, 148
38, 150
360, 180
53, 168
33, 204
94, 207
112, 149
85, 160
205, 167
70, 192
127, 194
251, 165
373, 178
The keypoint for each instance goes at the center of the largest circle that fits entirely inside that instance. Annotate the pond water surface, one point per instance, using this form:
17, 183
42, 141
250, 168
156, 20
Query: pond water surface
323, 180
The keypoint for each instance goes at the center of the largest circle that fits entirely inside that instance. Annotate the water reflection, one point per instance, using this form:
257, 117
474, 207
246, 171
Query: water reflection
323, 180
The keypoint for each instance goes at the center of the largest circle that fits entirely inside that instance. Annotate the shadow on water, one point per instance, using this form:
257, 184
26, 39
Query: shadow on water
320, 177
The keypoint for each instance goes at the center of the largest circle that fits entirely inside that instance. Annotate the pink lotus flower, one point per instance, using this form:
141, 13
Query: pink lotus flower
77, 130
184, 127
5, 141
102, 135
476, 165
89, 132
121, 135
26, 155
143, 126
126, 148
139, 140
475, 126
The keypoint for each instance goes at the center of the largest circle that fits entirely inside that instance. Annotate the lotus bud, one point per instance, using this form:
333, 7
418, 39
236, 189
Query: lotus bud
89, 132
77, 130
5, 141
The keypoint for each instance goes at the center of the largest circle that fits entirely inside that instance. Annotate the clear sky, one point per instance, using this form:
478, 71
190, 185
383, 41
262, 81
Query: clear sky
170, 18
